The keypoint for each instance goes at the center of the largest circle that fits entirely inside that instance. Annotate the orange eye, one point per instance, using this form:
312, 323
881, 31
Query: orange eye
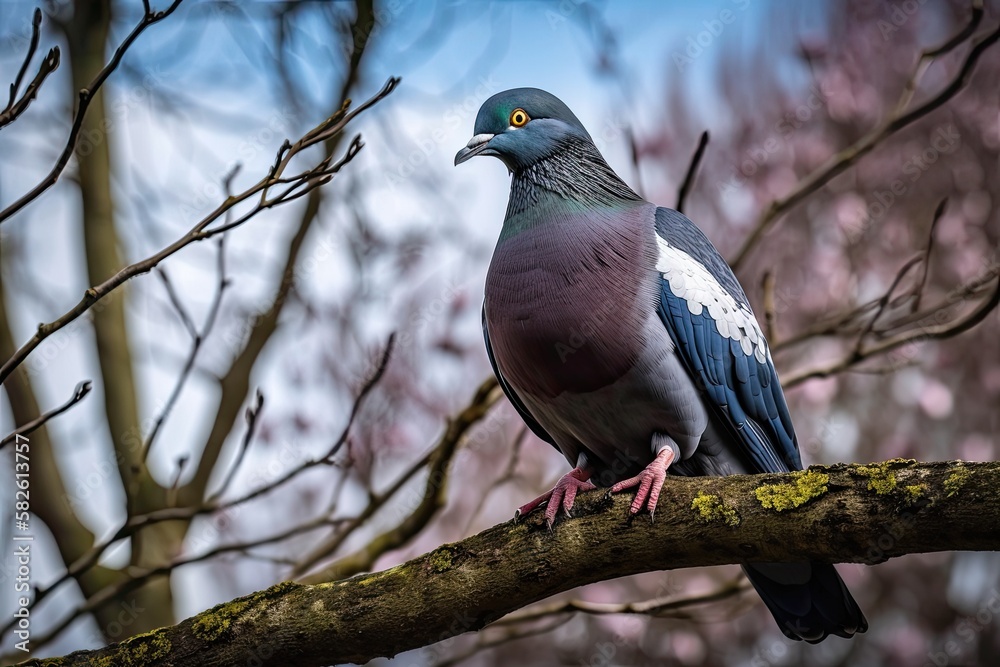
519, 118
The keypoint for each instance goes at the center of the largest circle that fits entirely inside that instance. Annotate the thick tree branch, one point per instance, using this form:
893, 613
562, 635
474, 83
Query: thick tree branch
843, 513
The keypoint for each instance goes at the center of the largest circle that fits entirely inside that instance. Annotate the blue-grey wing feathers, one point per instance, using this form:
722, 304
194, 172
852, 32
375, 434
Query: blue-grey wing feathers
710, 321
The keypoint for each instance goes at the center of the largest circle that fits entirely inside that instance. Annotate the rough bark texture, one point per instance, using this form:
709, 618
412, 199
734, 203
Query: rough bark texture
843, 513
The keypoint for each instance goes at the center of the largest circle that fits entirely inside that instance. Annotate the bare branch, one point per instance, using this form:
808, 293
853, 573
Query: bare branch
918, 289
920, 334
86, 96
884, 301
252, 413
848, 156
929, 55
509, 634
433, 498
136, 523
197, 339
82, 389
200, 231
770, 315
659, 607
928, 507
17, 106
691, 171
507, 475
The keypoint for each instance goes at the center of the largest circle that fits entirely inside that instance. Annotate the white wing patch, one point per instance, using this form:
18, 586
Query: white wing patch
691, 281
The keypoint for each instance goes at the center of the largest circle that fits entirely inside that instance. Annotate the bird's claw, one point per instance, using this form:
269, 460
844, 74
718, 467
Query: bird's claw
563, 494
649, 481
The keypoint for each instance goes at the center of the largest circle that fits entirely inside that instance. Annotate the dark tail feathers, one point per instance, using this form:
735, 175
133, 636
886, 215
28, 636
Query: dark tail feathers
808, 600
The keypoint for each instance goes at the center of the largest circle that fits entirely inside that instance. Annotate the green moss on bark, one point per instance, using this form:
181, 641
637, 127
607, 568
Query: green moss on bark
210, 625
956, 481
138, 651
440, 560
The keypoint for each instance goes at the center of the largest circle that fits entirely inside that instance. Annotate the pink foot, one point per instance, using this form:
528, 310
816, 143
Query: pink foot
649, 481
563, 494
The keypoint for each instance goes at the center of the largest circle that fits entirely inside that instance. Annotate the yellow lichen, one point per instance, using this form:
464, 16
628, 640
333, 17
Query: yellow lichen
779, 497
712, 508
956, 481
441, 560
914, 492
881, 479
212, 624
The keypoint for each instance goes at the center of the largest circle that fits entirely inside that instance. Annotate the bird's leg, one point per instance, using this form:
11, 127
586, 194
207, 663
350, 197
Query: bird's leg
650, 480
562, 494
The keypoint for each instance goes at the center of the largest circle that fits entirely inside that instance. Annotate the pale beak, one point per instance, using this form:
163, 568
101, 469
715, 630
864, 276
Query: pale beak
476, 145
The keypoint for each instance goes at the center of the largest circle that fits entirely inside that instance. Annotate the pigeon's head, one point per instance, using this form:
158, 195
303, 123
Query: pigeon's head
522, 126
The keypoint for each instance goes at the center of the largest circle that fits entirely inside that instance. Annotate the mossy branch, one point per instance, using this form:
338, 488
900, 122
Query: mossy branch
837, 514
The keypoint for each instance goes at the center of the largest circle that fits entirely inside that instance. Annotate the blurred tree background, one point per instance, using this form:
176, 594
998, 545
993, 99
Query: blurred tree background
223, 446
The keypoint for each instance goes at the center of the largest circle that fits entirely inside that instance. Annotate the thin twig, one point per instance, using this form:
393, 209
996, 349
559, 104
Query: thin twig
884, 301
658, 607
512, 635
251, 415
176, 303
929, 55
15, 107
437, 460
197, 339
507, 475
918, 289
81, 390
939, 332
200, 231
692, 169
852, 320
770, 314
86, 96
848, 156
136, 523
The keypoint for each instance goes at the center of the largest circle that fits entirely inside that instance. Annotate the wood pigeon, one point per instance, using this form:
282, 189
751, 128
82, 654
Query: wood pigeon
623, 339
